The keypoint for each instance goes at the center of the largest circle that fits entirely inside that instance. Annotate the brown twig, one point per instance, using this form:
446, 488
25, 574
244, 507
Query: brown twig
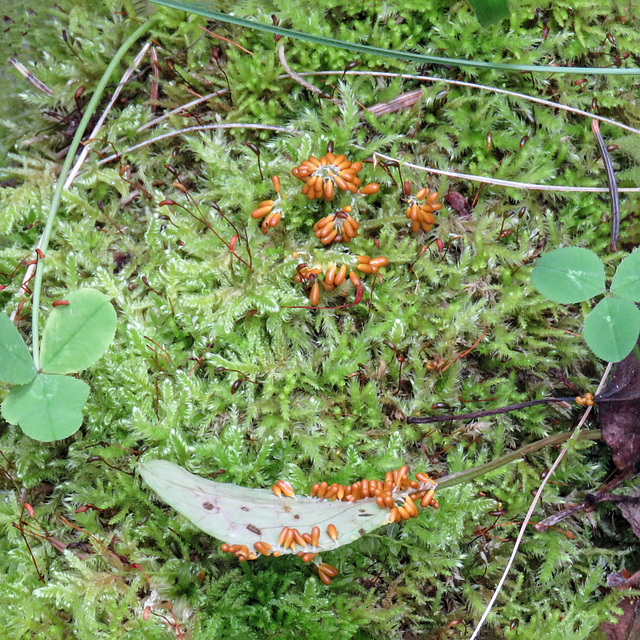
38, 84
536, 499
488, 412
464, 353
300, 80
199, 360
235, 44
506, 183
204, 127
20, 528
155, 70
403, 101
600, 495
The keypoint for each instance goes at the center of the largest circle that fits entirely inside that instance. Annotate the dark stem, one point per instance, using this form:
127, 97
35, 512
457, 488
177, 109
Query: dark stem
613, 187
589, 502
488, 412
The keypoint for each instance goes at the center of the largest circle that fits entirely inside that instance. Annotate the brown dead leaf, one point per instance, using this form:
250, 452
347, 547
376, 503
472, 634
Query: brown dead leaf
630, 509
403, 101
628, 625
458, 203
619, 410
623, 580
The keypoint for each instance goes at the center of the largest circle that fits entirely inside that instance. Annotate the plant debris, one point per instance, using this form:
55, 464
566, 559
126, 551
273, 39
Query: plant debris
619, 410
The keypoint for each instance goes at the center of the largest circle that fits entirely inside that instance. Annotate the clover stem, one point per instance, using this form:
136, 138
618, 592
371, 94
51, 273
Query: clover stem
64, 172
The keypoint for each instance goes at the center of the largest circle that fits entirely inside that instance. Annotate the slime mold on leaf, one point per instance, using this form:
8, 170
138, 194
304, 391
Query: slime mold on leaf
276, 522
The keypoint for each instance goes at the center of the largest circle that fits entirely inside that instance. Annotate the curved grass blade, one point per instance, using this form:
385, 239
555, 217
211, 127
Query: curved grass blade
201, 10
64, 172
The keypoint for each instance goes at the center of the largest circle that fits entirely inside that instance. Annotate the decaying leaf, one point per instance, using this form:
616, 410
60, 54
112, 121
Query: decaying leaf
630, 509
628, 625
459, 203
619, 410
242, 516
624, 579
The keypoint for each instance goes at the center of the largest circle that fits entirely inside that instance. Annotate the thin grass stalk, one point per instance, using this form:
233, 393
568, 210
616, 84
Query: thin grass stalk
473, 85
85, 151
470, 474
204, 127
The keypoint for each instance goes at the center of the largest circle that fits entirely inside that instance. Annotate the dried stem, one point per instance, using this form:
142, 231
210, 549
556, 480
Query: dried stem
125, 78
38, 84
300, 80
204, 127
613, 185
464, 353
85, 152
57, 194
469, 474
534, 503
235, 44
488, 412
600, 494
482, 87
181, 109
504, 183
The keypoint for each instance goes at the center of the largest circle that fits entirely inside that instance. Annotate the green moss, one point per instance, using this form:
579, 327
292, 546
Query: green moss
307, 418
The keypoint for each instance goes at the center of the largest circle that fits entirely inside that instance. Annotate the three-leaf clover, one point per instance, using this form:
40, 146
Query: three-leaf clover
46, 404
574, 274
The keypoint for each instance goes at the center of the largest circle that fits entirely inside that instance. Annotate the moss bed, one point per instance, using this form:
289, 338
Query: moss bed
320, 395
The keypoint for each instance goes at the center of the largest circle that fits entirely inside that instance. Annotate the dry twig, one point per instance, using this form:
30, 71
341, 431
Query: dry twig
300, 80
504, 183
